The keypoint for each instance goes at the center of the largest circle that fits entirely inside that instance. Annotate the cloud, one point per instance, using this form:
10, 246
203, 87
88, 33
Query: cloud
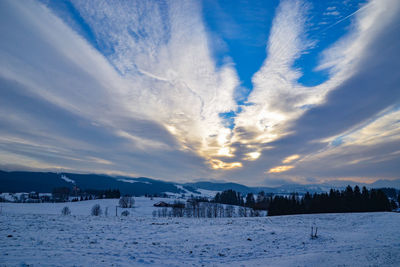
282, 168
277, 100
332, 13
219, 164
288, 118
361, 108
290, 158
143, 95
274, 94
168, 54
154, 100
370, 150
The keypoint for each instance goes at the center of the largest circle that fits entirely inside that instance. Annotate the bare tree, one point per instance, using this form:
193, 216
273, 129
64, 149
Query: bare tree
252, 213
164, 212
221, 210
229, 211
242, 212
178, 211
96, 210
126, 202
314, 231
209, 211
189, 210
202, 210
65, 211
215, 210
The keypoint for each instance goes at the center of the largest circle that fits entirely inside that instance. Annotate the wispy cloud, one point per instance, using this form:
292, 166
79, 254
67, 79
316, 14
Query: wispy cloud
144, 95
161, 90
290, 159
289, 117
279, 169
360, 109
168, 54
277, 99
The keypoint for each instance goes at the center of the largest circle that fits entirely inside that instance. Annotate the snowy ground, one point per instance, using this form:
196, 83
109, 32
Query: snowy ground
38, 235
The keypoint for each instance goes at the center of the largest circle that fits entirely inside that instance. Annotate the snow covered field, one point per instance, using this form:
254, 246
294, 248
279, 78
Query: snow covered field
38, 235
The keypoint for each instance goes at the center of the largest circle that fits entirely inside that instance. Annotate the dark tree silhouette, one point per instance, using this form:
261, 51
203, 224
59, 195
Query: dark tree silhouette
348, 200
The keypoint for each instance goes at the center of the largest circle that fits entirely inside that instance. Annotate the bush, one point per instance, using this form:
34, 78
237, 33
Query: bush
96, 210
65, 211
126, 202
125, 213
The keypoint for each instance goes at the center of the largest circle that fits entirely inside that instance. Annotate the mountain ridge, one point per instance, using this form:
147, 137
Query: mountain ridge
44, 182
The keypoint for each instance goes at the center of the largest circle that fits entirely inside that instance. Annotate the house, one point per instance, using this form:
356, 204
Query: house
33, 195
45, 197
161, 204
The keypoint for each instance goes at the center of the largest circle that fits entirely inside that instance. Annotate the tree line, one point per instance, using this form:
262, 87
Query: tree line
336, 201
348, 200
231, 197
198, 209
63, 194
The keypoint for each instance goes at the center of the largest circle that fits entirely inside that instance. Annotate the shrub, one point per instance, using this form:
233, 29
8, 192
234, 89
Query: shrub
96, 210
125, 213
65, 211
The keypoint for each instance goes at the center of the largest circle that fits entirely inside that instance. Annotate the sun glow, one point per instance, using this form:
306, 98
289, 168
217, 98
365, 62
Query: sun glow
225, 152
219, 164
253, 155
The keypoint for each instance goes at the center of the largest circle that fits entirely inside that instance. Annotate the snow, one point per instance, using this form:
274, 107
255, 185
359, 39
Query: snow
203, 192
143, 207
179, 195
185, 191
132, 181
207, 193
7, 196
68, 180
37, 234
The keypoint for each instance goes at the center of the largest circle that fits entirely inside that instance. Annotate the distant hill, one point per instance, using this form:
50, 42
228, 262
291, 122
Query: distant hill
386, 183
44, 182
213, 186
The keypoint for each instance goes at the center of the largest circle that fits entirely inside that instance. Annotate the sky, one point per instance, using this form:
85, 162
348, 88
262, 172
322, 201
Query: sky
254, 92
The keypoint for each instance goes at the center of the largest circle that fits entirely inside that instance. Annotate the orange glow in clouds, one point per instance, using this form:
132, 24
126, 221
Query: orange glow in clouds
280, 169
219, 164
290, 158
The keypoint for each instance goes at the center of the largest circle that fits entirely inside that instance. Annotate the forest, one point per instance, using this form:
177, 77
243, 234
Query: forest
336, 201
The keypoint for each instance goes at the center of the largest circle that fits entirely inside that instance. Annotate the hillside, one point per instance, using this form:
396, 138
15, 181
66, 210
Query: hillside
37, 234
45, 182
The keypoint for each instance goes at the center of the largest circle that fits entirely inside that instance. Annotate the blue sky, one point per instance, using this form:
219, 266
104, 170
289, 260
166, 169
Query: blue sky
256, 92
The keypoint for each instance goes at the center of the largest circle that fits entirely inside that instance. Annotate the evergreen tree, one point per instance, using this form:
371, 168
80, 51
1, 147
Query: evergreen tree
250, 202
